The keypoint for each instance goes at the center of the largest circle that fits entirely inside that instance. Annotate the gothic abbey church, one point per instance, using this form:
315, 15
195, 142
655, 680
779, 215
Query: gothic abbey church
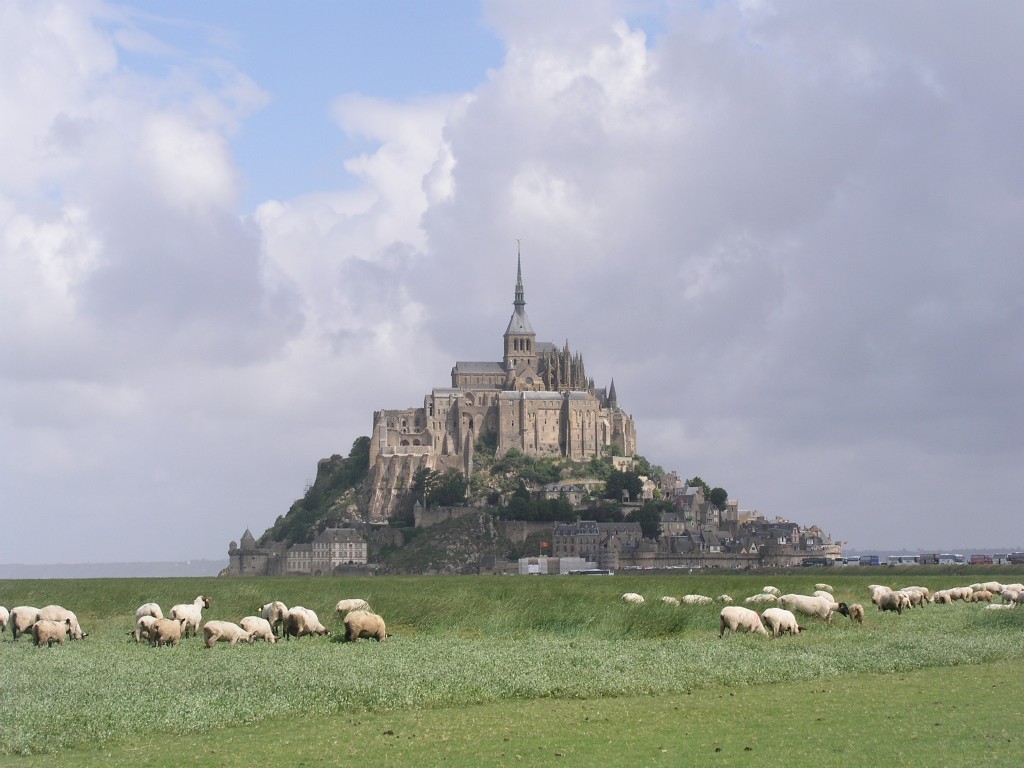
537, 400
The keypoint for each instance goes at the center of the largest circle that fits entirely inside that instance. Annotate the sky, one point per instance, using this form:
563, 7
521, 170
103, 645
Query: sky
229, 232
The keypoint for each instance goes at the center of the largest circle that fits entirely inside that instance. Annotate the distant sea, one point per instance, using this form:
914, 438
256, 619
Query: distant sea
112, 570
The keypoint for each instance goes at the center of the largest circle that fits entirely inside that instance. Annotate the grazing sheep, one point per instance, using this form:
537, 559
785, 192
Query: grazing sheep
364, 624
275, 613
259, 628
813, 606
739, 619
4, 616
857, 613
1000, 606
670, 600
224, 631
149, 609
825, 587
914, 598
771, 591
351, 604
144, 627
22, 617
59, 613
49, 631
779, 620
990, 586
891, 602
633, 597
697, 600
762, 597
725, 598
823, 594
982, 595
191, 613
166, 631
1018, 587
1010, 595
302, 621
942, 597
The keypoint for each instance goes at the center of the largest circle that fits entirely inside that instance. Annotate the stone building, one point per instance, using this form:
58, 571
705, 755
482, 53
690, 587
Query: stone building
331, 548
537, 399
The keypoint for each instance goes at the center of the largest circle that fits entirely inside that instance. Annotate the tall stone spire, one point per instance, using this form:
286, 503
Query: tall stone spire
520, 340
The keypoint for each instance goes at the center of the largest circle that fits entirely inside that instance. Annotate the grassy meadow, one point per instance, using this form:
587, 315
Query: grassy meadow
469, 656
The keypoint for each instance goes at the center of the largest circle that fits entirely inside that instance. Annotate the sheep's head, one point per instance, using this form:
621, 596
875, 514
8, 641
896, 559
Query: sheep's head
843, 609
206, 601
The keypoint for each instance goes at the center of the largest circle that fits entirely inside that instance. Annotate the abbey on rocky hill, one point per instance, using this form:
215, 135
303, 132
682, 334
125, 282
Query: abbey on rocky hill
537, 400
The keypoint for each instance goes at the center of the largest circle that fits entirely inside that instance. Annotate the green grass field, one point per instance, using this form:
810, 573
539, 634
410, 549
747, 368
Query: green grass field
495, 670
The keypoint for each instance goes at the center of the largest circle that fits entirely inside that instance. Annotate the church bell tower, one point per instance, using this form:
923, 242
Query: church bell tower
520, 340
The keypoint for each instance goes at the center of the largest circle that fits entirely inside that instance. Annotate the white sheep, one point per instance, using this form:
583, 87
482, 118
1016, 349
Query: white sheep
633, 598
191, 614
275, 613
779, 620
697, 600
351, 604
739, 619
259, 628
302, 621
771, 591
5, 615
1000, 606
62, 614
825, 587
144, 627
823, 594
1010, 595
364, 624
667, 600
22, 617
725, 598
48, 631
149, 609
761, 597
857, 613
224, 631
166, 631
813, 606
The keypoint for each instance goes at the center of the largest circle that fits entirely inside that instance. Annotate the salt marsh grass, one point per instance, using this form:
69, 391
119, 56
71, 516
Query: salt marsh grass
456, 642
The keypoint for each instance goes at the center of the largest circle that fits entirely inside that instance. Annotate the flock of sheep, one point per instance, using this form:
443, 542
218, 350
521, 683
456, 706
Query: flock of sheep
780, 617
52, 624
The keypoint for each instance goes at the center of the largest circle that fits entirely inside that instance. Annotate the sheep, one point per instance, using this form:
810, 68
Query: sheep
725, 598
674, 601
144, 627
925, 592
983, 595
1018, 587
191, 613
825, 587
697, 600
1010, 595
779, 620
942, 597
166, 631
914, 598
5, 615
990, 586
148, 609
302, 621
823, 594
771, 591
259, 628
633, 598
59, 613
1000, 606
22, 617
890, 601
275, 613
762, 597
857, 612
49, 631
878, 593
229, 632
737, 618
351, 604
364, 624
813, 606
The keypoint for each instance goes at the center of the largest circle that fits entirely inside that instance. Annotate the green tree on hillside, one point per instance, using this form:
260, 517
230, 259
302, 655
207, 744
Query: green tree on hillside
719, 497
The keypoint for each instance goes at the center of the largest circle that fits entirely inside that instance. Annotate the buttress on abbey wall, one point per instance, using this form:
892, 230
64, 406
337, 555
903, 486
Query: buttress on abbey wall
537, 400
